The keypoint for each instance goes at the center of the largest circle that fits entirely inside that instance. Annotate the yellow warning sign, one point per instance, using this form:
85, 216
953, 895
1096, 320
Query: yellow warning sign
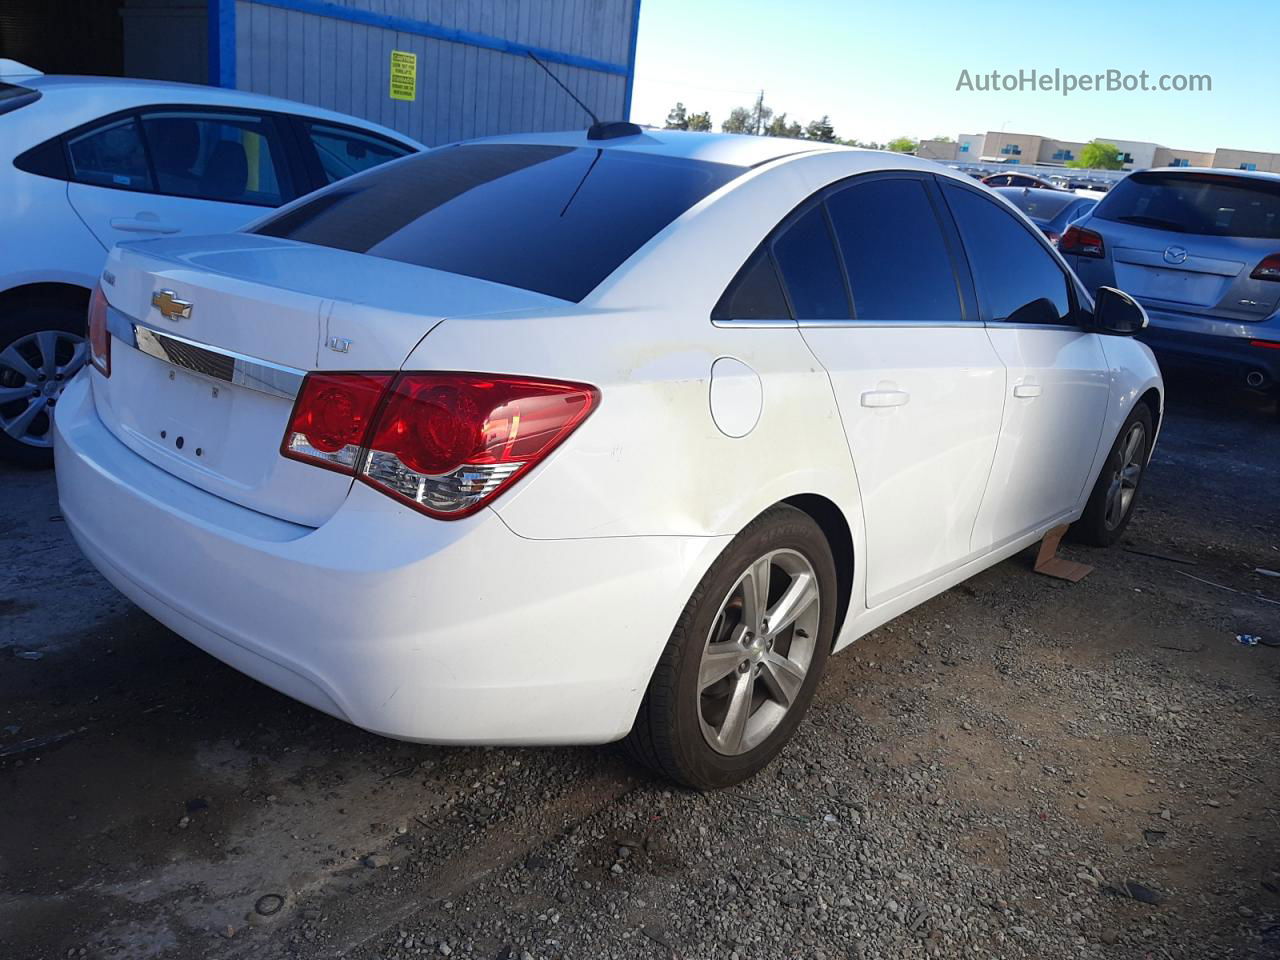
404, 75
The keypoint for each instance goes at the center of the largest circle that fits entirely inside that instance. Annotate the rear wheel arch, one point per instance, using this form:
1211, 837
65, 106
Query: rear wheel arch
827, 515
66, 295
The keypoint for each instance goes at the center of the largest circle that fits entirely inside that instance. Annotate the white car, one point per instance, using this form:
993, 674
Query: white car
553, 439
86, 162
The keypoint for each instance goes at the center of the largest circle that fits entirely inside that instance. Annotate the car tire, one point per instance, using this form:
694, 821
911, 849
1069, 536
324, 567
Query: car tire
42, 346
714, 712
1115, 493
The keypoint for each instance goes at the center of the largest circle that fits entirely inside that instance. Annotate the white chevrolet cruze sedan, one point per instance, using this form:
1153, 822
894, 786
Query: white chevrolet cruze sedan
570, 438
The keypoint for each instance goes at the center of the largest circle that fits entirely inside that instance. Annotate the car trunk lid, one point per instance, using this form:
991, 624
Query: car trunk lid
213, 335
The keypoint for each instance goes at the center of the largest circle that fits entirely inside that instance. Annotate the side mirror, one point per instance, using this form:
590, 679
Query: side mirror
1117, 313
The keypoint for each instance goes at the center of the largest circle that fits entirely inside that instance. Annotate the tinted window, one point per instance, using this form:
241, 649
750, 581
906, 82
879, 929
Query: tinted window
755, 293
343, 152
111, 156
810, 270
1017, 279
234, 158
557, 220
897, 260
1202, 203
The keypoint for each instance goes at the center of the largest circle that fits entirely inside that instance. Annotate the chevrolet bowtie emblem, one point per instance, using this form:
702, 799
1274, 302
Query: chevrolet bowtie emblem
170, 307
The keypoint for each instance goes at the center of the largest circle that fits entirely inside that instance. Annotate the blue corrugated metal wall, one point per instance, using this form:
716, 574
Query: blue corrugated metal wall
336, 54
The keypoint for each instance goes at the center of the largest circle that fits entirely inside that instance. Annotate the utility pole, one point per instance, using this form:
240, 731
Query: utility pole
760, 114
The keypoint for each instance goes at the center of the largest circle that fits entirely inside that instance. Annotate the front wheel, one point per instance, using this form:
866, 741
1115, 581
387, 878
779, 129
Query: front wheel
1111, 503
745, 657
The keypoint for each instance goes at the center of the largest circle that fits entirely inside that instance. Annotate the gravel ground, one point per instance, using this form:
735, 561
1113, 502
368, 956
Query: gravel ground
1019, 768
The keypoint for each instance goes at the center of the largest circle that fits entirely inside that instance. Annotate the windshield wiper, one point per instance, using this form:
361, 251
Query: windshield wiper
1153, 222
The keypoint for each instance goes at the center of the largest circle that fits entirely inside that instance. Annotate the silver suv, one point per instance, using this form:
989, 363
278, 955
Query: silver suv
1200, 249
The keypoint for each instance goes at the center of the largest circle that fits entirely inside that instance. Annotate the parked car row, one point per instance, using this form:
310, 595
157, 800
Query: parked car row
87, 162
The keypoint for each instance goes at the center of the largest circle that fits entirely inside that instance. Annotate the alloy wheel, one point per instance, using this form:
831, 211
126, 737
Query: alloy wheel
758, 651
34, 369
1124, 482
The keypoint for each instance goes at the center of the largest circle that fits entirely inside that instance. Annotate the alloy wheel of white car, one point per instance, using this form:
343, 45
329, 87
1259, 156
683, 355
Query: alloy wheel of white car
35, 367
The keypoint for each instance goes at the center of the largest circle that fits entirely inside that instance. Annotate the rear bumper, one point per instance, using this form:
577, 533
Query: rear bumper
1232, 357
459, 632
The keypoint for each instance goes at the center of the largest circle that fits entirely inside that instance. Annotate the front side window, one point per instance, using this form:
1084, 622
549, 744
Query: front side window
232, 158
894, 252
555, 220
1018, 280
810, 270
343, 152
111, 156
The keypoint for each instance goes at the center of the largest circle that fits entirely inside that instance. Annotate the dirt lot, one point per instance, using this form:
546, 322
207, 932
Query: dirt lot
1020, 768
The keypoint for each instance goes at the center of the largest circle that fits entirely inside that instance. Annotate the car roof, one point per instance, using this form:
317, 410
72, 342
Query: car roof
84, 98
740, 149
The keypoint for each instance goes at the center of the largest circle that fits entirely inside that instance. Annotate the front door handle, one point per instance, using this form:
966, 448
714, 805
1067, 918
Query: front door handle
885, 398
1026, 390
142, 224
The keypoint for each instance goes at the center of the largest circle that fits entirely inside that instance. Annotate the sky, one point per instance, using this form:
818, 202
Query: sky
883, 69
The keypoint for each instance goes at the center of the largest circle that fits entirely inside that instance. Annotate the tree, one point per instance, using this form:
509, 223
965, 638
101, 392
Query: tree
778, 127
700, 121
740, 121
902, 145
1099, 156
677, 118
820, 130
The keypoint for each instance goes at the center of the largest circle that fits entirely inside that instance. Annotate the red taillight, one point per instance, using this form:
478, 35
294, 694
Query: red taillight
1268, 269
444, 443
1081, 243
1265, 344
99, 336
332, 418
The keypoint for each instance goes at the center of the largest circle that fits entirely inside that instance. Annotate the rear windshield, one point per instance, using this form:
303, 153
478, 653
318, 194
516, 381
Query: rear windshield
557, 220
1202, 203
13, 96
1040, 204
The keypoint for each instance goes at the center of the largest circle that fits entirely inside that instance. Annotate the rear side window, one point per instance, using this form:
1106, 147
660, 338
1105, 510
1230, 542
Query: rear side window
556, 220
810, 270
1202, 203
1017, 279
232, 158
111, 156
755, 293
897, 260
342, 152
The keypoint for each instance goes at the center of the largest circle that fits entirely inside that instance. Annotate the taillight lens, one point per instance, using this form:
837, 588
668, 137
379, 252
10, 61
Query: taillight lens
443, 443
1265, 344
99, 336
332, 418
1081, 242
1268, 269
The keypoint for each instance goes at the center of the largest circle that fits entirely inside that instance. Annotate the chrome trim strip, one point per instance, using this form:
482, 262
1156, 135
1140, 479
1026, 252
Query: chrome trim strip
891, 324
273, 379
753, 323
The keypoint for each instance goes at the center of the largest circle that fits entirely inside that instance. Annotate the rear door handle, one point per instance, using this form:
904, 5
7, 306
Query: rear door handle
885, 398
142, 225
1026, 390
